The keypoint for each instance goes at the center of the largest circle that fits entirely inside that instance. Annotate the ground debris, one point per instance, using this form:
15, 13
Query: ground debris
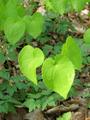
36, 115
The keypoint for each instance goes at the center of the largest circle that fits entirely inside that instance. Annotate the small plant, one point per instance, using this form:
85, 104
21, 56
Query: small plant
65, 116
17, 22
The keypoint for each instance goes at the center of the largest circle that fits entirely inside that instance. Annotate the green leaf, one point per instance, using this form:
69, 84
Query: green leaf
47, 48
48, 4
56, 6
4, 74
14, 30
38, 104
21, 10
34, 24
14, 9
2, 58
48, 102
57, 72
65, 116
87, 36
2, 14
30, 103
10, 9
30, 59
73, 52
62, 6
78, 5
4, 108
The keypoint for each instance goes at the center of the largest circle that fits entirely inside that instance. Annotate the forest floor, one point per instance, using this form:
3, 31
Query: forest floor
79, 105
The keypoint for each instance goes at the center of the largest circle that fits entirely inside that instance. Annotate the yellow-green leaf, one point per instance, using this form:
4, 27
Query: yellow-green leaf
14, 30
29, 60
34, 24
73, 52
58, 74
87, 36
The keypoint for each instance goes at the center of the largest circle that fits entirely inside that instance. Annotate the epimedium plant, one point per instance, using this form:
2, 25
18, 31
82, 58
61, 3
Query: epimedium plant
14, 17
54, 70
58, 71
63, 6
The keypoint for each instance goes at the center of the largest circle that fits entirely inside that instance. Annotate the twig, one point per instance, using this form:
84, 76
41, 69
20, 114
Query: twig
62, 109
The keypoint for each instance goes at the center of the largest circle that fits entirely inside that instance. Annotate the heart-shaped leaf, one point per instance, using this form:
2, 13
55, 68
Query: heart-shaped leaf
73, 52
58, 74
10, 8
87, 36
14, 30
29, 59
34, 24
56, 6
